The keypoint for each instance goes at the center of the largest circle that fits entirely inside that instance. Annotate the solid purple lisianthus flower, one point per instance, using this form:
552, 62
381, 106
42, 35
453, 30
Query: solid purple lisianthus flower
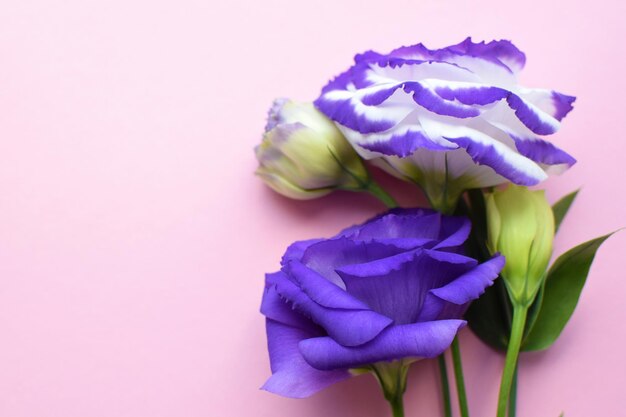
449, 119
393, 288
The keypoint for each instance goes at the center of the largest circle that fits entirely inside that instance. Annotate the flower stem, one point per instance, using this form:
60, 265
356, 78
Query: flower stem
510, 365
377, 191
392, 378
445, 385
441, 195
458, 376
397, 406
513, 395
442, 205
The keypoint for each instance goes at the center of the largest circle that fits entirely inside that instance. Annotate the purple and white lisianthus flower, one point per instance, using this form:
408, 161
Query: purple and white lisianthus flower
391, 289
449, 119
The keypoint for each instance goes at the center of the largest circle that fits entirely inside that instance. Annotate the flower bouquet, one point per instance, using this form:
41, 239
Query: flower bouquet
398, 288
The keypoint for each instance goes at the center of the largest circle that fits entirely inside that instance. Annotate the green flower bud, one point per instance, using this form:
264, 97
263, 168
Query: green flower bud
521, 227
303, 155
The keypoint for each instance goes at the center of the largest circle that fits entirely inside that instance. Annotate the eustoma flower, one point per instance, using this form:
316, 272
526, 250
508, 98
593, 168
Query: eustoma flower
304, 156
449, 119
376, 297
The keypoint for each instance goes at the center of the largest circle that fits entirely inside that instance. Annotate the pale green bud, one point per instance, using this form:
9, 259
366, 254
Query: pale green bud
303, 155
520, 226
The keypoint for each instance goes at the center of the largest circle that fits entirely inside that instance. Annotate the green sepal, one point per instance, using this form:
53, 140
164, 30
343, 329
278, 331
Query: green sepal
562, 289
533, 311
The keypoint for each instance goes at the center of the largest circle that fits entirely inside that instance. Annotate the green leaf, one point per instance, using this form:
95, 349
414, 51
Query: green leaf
478, 212
561, 207
563, 286
489, 317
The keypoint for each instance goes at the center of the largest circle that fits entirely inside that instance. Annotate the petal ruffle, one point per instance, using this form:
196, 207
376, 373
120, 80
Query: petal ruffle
418, 340
398, 223
400, 142
276, 308
396, 286
296, 250
555, 104
348, 327
454, 233
451, 300
346, 108
501, 52
507, 163
321, 290
543, 152
292, 376
412, 228
326, 256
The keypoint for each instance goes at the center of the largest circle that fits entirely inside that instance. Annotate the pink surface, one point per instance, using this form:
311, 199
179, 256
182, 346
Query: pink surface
134, 237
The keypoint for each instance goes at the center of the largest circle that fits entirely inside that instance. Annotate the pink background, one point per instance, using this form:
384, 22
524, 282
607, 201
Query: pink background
134, 237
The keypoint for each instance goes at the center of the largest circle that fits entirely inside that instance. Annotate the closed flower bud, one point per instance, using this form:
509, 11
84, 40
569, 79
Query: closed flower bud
303, 155
521, 227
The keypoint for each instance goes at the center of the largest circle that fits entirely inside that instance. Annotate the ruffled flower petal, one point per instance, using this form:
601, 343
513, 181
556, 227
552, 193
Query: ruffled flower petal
418, 340
322, 290
295, 251
501, 52
327, 256
276, 308
349, 327
543, 152
451, 300
292, 376
396, 287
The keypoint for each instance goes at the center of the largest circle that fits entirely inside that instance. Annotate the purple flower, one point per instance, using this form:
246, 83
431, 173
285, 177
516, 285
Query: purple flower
393, 288
449, 119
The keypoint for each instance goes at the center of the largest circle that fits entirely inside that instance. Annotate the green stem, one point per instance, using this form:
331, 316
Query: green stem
397, 406
378, 192
392, 378
512, 354
513, 395
458, 376
442, 195
445, 385
442, 204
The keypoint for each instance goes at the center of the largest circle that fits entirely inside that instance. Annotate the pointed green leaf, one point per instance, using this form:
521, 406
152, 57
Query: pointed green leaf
562, 289
489, 317
561, 207
478, 212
